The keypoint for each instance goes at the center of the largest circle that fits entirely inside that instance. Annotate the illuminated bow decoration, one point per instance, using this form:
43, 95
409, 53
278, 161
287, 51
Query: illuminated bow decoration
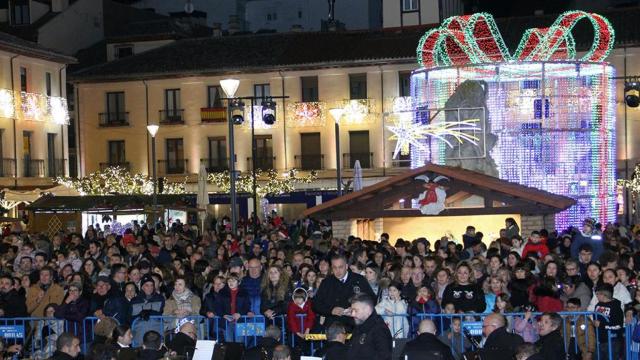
475, 39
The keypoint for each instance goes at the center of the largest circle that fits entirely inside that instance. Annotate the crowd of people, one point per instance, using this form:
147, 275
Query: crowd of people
155, 291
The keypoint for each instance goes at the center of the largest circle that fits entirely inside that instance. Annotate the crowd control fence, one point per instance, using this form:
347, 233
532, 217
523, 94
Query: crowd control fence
463, 332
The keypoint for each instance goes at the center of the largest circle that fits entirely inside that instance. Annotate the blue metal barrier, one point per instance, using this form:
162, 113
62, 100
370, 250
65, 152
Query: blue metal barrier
37, 335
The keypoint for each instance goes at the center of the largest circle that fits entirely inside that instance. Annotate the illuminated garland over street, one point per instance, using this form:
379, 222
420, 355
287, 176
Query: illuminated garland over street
117, 180
269, 182
475, 39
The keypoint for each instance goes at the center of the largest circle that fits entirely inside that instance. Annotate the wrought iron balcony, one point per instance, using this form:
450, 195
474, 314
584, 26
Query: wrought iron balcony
33, 167
262, 162
56, 167
309, 162
215, 164
172, 117
112, 119
403, 161
8, 168
173, 167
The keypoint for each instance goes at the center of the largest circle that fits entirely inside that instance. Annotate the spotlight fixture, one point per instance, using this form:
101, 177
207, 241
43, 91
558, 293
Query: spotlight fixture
269, 111
237, 111
632, 93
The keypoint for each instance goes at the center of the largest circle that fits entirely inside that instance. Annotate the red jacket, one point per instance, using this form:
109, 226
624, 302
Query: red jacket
540, 248
293, 321
548, 304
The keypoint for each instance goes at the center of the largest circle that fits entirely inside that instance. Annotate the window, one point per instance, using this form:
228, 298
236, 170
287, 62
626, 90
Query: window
123, 51
299, 14
409, 5
116, 152
309, 85
21, 12
172, 110
404, 83
115, 107
55, 167
175, 156
23, 79
262, 91
358, 86
310, 151
214, 94
268, 17
47, 83
217, 154
264, 152
359, 149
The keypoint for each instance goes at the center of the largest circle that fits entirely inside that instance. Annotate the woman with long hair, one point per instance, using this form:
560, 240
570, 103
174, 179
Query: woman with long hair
90, 270
466, 294
275, 292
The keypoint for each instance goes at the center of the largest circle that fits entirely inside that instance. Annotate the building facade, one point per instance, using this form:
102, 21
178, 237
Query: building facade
34, 115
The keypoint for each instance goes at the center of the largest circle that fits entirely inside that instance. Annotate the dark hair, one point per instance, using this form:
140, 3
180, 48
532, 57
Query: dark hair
471, 227
575, 301
363, 298
119, 331
336, 328
556, 319
339, 257
152, 340
65, 340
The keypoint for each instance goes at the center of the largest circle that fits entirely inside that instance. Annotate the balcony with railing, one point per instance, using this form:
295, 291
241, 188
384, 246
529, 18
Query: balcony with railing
173, 167
402, 161
172, 117
309, 162
114, 119
213, 114
33, 168
349, 160
125, 165
215, 164
56, 167
8, 168
262, 162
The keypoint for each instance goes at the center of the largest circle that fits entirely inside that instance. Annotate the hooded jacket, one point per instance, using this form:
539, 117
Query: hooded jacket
371, 340
293, 310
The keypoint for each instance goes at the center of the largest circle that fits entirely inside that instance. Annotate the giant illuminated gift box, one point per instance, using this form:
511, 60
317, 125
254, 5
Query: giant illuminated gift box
547, 119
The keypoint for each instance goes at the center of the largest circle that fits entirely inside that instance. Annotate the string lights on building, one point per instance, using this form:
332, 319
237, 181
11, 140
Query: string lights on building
271, 183
550, 119
307, 114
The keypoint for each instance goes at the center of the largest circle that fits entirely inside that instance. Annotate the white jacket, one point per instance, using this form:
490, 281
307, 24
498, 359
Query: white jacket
620, 292
398, 323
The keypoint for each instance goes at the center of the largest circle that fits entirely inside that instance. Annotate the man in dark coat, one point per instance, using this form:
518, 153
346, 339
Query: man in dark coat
11, 302
184, 343
551, 343
371, 337
500, 344
264, 349
332, 298
151, 345
108, 302
335, 348
426, 345
67, 347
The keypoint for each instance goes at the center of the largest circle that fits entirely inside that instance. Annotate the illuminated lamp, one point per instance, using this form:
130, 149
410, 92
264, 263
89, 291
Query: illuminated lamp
236, 107
269, 112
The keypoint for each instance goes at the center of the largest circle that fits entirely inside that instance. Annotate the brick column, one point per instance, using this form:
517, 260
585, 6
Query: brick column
343, 228
536, 223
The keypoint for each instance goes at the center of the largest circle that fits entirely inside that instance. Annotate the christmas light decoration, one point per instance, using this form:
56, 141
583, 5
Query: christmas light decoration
58, 110
357, 111
33, 106
270, 182
406, 133
306, 114
549, 125
7, 109
632, 184
117, 180
475, 39
258, 124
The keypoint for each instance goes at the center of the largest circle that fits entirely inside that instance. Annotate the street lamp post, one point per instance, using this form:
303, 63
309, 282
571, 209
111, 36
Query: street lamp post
337, 114
230, 86
153, 130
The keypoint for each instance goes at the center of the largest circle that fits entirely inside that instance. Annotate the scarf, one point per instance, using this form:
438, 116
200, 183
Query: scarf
183, 301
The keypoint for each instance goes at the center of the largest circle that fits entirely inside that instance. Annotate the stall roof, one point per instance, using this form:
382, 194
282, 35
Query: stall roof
109, 202
372, 201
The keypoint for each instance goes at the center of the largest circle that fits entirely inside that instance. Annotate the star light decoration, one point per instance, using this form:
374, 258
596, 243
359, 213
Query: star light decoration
407, 132
117, 180
632, 185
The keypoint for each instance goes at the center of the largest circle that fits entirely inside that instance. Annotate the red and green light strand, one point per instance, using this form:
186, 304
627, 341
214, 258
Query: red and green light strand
475, 39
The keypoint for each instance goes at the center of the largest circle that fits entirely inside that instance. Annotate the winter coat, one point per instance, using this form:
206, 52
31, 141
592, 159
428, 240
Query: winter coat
424, 346
585, 334
371, 340
593, 239
74, 312
279, 306
54, 294
191, 303
334, 293
13, 303
539, 248
397, 320
183, 345
429, 307
500, 345
152, 305
252, 287
243, 304
294, 322
113, 305
551, 346
332, 350
455, 343
264, 350
546, 300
